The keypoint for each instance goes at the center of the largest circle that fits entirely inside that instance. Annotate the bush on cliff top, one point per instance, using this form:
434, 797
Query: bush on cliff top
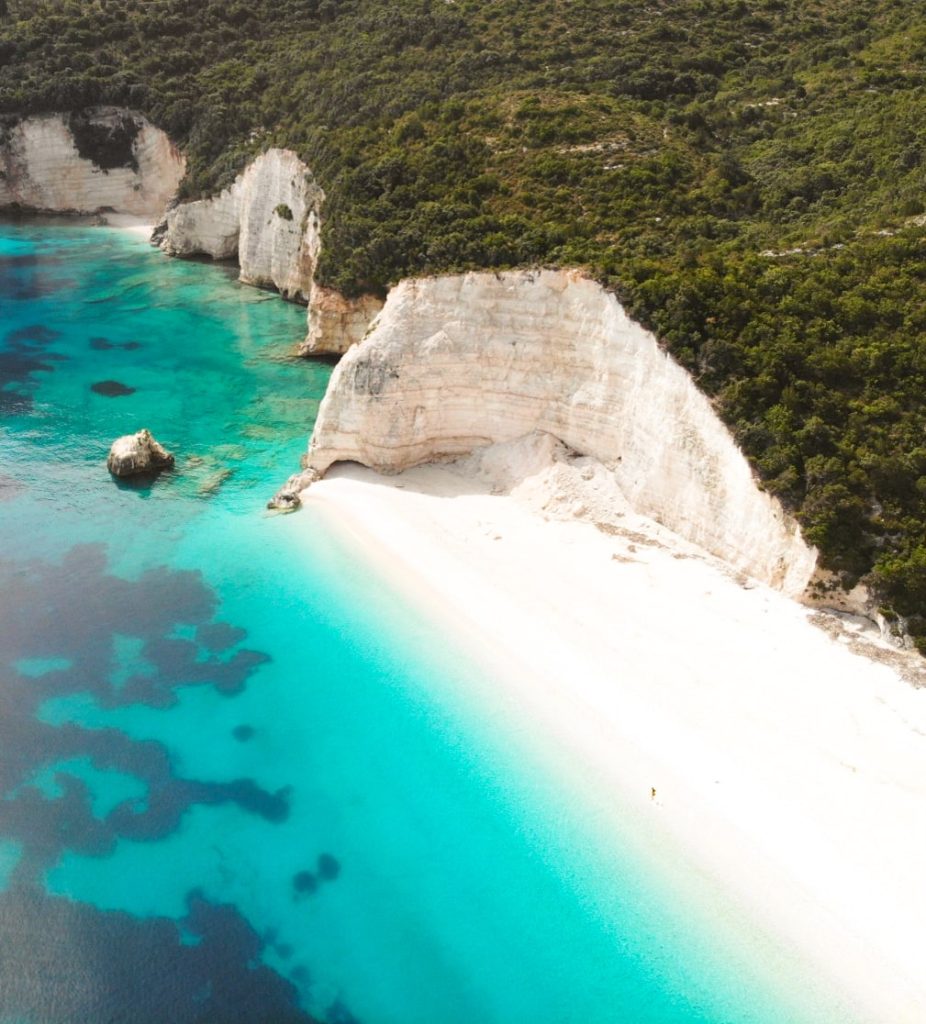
746, 174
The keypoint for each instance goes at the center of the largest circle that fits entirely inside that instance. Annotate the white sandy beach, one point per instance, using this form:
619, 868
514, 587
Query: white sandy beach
789, 773
141, 226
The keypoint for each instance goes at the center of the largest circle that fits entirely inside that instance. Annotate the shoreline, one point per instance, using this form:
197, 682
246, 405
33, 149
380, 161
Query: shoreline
141, 228
781, 771
133, 225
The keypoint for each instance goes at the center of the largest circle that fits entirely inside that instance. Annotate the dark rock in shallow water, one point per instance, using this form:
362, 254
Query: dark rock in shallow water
23, 355
65, 961
243, 733
137, 453
38, 333
219, 636
305, 881
130, 346
328, 867
101, 344
338, 1013
112, 388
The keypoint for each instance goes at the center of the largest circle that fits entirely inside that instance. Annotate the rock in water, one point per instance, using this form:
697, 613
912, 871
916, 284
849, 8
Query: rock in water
287, 498
137, 453
112, 388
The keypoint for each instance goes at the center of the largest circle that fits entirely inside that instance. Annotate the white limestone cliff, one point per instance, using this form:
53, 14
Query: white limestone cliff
42, 169
335, 322
268, 218
457, 362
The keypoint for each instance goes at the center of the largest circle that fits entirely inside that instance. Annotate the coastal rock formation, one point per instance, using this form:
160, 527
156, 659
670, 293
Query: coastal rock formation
103, 159
268, 219
335, 322
137, 453
454, 363
827, 593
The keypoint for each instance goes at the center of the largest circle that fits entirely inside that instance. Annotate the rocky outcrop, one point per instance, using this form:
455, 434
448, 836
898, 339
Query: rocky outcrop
454, 363
110, 159
100, 160
335, 322
134, 454
827, 593
288, 497
268, 219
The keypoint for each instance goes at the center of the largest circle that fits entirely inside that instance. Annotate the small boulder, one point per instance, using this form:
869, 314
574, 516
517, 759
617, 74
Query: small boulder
137, 453
287, 498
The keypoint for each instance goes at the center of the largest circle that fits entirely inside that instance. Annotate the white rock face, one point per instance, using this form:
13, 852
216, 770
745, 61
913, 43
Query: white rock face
268, 218
335, 322
133, 454
41, 168
454, 363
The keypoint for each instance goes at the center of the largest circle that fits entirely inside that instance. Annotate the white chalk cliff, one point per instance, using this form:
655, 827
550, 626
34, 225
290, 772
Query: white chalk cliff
454, 363
268, 219
335, 322
42, 169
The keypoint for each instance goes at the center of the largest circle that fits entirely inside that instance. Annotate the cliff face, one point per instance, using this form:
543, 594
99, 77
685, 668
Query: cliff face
454, 363
109, 159
335, 322
268, 219
104, 159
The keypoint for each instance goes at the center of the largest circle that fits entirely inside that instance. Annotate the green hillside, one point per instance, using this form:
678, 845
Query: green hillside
747, 175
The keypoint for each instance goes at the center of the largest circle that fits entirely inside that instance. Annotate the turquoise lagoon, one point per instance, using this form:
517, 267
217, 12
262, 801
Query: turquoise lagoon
241, 780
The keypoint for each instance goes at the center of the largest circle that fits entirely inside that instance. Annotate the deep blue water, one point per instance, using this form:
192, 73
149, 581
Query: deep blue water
239, 781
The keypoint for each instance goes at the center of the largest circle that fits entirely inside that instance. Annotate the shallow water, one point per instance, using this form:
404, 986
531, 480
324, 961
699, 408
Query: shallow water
241, 780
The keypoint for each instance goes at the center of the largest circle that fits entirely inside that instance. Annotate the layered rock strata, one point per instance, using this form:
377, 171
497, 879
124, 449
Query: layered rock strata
336, 323
455, 363
106, 159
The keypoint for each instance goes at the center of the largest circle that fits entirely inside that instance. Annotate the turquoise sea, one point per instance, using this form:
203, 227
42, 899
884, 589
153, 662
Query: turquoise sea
239, 778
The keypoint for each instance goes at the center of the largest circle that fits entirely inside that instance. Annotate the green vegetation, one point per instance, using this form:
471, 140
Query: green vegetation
746, 174
107, 147
283, 211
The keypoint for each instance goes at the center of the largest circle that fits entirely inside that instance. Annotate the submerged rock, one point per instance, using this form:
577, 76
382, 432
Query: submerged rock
305, 881
137, 453
328, 867
112, 389
213, 482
